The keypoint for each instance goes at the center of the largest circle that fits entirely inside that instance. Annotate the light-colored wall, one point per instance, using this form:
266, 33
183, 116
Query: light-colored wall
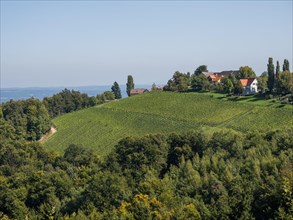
253, 87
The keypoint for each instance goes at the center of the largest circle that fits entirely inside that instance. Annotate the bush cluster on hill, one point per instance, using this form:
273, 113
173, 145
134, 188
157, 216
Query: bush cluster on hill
68, 101
25, 119
30, 119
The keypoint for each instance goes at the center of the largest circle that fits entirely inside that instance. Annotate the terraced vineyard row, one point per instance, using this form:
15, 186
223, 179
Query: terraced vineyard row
194, 107
102, 127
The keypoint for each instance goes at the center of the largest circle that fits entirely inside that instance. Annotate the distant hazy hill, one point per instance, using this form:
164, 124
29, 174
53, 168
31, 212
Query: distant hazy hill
101, 127
40, 92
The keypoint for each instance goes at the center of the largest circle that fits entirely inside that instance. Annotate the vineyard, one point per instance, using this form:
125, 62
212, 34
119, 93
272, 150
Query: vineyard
101, 127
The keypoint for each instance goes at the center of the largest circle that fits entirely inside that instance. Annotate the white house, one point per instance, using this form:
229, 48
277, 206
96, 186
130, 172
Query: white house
249, 85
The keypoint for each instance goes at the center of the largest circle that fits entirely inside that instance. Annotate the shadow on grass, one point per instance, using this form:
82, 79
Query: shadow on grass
255, 99
280, 106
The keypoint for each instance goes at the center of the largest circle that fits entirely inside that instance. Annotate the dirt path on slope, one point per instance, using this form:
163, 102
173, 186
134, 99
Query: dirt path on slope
48, 134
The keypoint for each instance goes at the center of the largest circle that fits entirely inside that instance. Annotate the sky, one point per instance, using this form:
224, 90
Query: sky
80, 43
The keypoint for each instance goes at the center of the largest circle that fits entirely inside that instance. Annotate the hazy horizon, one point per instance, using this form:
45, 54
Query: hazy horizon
88, 43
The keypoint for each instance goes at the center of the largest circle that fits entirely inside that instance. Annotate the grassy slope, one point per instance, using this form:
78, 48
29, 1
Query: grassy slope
101, 127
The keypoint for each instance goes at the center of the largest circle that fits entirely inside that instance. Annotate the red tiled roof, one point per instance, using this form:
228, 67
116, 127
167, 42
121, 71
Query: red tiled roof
215, 77
247, 82
137, 91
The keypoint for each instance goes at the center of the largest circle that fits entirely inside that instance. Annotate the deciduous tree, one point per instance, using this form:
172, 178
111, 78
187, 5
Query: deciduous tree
262, 81
179, 82
246, 72
199, 82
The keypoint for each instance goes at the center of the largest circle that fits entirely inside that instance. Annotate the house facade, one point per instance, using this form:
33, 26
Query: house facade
249, 86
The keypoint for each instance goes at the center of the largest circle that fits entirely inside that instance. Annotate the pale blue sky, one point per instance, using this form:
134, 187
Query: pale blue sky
77, 43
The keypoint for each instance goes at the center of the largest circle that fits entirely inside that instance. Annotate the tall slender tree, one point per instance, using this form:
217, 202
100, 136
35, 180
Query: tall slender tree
277, 70
129, 84
286, 66
271, 74
116, 90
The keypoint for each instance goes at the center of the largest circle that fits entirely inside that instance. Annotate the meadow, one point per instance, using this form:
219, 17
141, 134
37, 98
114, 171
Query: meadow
101, 127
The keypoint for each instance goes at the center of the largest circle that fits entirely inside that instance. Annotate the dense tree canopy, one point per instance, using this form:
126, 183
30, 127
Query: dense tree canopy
179, 82
198, 175
68, 101
199, 82
25, 119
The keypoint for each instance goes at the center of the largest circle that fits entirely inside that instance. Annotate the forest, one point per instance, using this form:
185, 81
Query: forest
196, 175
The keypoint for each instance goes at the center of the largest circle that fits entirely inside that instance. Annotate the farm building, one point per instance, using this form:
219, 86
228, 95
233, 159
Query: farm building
226, 73
249, 85
138, 91
214, 78
207, 74
160, 88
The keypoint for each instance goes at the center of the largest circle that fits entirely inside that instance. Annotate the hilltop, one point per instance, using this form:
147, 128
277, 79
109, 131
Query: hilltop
101, 127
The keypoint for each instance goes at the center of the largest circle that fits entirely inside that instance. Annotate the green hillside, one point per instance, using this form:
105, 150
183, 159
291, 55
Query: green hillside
101, 127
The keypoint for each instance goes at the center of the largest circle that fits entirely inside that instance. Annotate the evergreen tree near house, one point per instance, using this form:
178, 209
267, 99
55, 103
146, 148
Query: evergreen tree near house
179, 82
284, 84
262, 81
233, 78
129, 84
286, 66
116, 90
271, 75
238, 88
200, 82
277, 70
228, 86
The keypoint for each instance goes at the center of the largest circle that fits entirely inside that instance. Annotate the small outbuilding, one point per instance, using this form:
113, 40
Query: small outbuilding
138, 91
